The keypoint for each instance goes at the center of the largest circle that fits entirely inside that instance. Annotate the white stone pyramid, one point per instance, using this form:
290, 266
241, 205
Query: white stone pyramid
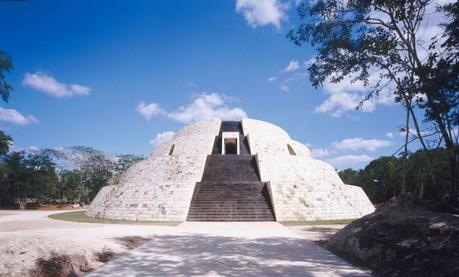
300, 187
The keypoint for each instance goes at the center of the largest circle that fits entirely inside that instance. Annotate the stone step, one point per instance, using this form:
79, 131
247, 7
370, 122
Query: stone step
226, 201
231, 189
205, 206
233, 214
230, 168
230, 218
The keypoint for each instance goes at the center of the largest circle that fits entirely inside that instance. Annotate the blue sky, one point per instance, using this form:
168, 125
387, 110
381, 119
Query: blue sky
120, 76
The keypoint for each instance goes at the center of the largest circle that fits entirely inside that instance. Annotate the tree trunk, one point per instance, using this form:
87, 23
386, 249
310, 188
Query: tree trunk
405, 152
426, 153
437, 118
22, 203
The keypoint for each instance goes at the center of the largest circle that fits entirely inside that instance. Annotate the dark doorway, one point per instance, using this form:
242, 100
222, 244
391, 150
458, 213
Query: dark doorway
231, 146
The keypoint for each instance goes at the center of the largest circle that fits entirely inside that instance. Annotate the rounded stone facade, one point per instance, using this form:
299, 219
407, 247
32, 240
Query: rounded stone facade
161, 187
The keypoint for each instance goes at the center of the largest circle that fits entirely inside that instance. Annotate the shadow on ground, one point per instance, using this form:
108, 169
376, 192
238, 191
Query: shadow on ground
193, 254
131, 242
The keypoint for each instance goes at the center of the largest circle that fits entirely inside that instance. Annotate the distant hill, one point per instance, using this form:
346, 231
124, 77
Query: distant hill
73, 157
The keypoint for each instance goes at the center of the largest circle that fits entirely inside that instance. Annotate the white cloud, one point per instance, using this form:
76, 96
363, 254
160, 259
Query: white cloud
292, 66
359, 143
262, 12
207, 106
389, 134
320, 152
15, 117
272, 79
346, 95
46, 83
148, 110
33, 149
284, 87
162, 137
349, 160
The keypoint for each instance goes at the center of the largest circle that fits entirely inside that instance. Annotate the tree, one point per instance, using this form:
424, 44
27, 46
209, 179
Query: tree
350, 176
96, 173
43, 181
14, 176
69, 185
382, 178
359, 38
418, 175
5, 141
6, 65
25, 178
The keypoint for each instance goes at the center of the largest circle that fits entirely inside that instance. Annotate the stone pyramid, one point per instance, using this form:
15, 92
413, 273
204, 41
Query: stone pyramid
246, 170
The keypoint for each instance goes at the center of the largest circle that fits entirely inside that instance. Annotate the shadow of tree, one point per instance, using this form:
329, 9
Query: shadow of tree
60, 265
131, 242
196, 254
325, 232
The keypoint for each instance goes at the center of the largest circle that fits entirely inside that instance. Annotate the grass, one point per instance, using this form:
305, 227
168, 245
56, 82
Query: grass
80, 216
317, 222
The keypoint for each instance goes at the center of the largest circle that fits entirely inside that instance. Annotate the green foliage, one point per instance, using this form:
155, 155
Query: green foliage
26, 177
350, 176
5, 141
70, 185
357, 39
96, 173
80, 216
33, 177
6, 65
383, 177
125, 161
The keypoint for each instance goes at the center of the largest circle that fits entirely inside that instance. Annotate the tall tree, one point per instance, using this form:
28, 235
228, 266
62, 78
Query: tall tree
356, 39
27, 177
6, 65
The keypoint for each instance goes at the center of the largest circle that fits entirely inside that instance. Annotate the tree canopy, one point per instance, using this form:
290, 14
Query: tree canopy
381, 179
380, 43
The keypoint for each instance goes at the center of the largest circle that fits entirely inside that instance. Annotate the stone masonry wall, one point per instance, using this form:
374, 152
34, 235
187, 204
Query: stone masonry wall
302, 188
160, 188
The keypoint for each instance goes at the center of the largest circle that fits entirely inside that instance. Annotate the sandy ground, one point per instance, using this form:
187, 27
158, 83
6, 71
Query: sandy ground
26, 236
231, 249
191, 248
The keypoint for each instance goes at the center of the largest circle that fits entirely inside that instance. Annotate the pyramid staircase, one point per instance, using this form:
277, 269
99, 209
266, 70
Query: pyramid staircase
230, 189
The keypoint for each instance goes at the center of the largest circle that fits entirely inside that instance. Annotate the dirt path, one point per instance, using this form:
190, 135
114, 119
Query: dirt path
230, 249
26, 236
216, 249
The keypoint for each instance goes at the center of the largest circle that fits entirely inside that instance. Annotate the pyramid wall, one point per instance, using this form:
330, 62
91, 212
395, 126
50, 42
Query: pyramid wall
160, 188
302, 188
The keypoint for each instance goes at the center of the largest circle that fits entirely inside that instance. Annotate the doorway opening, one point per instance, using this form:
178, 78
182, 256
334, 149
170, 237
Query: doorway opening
230, 146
